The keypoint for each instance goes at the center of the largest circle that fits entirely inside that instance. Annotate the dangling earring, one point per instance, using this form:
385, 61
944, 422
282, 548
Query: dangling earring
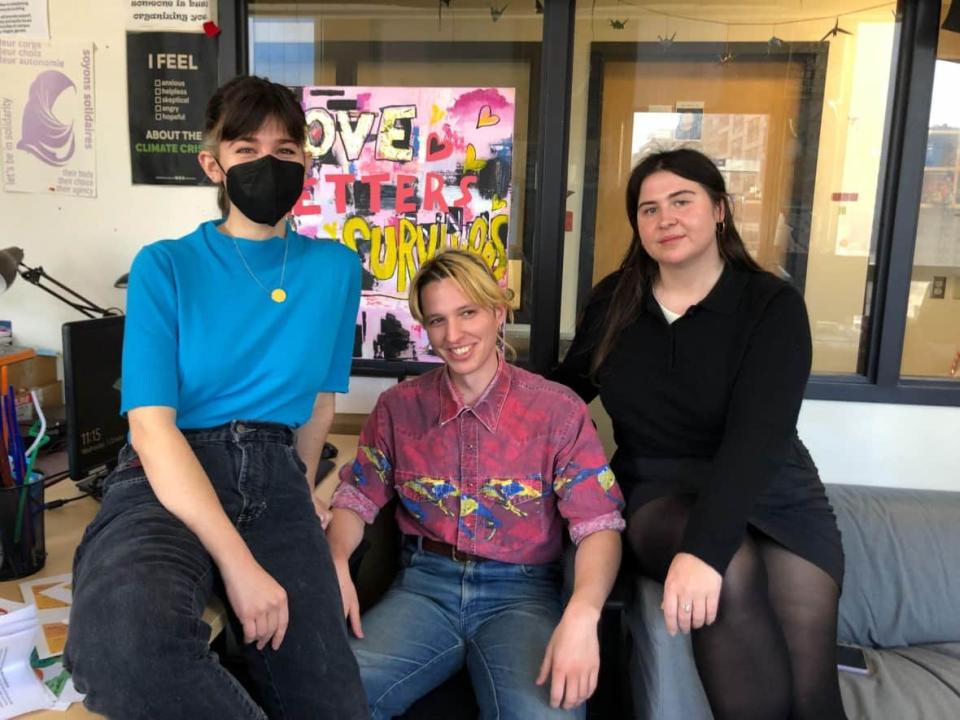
720, 229
501, 340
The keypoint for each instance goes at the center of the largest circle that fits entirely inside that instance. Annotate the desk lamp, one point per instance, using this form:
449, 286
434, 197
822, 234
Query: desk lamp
11, 265
9, 261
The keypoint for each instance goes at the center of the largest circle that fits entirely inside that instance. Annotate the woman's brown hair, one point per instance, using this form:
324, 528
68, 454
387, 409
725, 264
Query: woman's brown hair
638, 270
241, 106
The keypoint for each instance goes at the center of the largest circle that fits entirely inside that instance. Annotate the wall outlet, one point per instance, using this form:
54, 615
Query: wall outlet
938, 289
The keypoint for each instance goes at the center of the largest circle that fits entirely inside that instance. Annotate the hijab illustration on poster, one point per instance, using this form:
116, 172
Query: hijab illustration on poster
170, 77
398, 174
47, 117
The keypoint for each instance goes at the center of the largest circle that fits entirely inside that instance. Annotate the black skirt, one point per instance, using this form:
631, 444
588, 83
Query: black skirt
793, 509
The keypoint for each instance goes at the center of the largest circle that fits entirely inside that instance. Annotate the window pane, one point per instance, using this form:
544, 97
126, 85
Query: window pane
282, 50
794, 116
472, 46
931, 346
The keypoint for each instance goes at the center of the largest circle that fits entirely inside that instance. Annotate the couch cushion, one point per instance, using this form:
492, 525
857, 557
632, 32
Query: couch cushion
902, 579
917, 682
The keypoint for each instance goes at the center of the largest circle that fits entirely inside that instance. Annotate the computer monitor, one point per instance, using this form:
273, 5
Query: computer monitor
92, 351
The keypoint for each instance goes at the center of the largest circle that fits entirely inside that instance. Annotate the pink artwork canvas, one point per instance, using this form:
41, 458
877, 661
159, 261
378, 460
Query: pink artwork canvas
399, 174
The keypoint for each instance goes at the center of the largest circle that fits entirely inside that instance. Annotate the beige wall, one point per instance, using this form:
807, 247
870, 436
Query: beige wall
867, 443
88, 243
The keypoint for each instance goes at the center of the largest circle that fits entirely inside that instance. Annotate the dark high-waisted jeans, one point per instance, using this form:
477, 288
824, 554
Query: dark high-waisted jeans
137, 643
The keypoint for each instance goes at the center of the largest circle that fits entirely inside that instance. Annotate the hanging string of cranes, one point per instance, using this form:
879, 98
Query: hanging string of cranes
668, 39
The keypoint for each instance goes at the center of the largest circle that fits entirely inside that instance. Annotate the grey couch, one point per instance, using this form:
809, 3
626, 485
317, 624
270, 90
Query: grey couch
900, 601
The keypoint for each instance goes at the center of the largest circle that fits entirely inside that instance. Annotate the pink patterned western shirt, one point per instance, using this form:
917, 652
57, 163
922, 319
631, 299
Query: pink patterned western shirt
494, 479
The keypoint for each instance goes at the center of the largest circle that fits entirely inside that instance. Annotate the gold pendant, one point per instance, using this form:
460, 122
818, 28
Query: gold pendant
278, 295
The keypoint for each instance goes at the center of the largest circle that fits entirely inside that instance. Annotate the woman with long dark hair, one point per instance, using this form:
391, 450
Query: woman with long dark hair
701, 359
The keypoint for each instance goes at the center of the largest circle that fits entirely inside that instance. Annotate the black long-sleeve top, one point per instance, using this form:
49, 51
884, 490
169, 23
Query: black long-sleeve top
723, 383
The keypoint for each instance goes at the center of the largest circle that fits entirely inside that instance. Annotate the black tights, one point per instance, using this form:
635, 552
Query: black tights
771, 654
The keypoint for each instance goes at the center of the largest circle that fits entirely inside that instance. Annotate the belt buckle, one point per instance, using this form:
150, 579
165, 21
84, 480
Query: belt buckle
458, 556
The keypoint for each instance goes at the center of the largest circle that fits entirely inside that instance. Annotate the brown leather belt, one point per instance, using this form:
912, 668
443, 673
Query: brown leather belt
441, 548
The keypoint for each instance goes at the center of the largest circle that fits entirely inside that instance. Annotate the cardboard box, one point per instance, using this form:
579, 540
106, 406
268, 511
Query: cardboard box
49, 395
38, 371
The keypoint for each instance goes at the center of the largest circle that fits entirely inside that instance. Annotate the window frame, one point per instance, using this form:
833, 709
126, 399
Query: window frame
813, 56
898, 200
347, 56
551, 70
904, 159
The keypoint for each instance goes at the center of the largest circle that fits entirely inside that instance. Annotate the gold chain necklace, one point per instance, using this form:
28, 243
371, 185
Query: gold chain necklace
278, 294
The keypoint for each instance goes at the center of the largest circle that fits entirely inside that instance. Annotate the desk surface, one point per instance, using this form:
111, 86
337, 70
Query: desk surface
64, 527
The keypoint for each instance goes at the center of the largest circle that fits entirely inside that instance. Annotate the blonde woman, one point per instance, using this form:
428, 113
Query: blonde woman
488, 462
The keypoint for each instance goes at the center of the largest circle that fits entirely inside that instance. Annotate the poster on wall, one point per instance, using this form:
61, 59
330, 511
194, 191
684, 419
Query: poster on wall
47, 117
398, 174
181, 15
690, 123
26, 18
170, 78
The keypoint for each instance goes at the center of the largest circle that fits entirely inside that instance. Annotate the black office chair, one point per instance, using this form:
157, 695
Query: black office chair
374, 566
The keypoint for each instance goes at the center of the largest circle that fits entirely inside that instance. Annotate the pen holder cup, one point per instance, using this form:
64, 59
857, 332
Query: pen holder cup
22, 547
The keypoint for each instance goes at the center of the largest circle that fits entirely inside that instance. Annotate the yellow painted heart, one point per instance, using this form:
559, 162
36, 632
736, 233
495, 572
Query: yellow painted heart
331, 229
487, 117
470, 162
436, 115
498, 204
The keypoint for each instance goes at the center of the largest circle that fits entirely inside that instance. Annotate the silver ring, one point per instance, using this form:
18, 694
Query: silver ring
686, 608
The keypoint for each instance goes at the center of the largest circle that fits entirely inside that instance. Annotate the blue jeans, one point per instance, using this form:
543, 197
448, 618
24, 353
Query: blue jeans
137, 644
495, 617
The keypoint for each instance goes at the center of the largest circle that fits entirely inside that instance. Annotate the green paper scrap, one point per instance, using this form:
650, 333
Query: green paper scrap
59, 681
37, 664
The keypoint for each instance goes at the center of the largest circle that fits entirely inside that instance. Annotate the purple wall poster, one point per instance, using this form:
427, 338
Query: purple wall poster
47, 118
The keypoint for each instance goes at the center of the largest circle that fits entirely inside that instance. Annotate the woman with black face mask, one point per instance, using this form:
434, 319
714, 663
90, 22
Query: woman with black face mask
237, 335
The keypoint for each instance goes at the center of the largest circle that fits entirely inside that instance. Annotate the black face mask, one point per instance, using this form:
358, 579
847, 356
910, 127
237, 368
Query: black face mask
265, 189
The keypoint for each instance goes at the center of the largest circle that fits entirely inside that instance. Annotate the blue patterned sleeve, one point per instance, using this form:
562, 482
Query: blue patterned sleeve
588, 495
366, 485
